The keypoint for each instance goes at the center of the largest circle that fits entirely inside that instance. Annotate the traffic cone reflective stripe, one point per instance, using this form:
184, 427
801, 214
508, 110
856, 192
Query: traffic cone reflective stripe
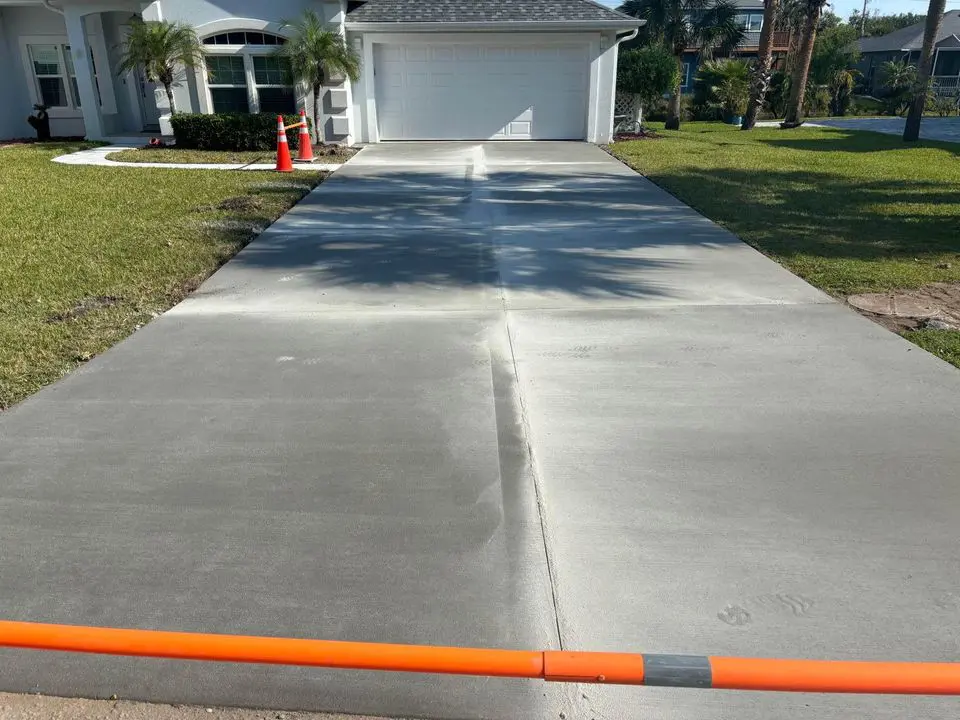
284, 163
304, 146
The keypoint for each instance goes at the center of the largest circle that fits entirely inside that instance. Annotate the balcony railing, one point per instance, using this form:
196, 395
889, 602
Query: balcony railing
946, 84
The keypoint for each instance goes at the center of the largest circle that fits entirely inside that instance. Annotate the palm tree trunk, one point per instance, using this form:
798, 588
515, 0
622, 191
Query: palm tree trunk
673, 108
798, 83
173, 106
317, 125
760, 75
911, 130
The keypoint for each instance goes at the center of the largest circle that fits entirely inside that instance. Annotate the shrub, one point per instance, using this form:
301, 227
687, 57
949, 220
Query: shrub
228, 131
942, 105
723, 86
647, 74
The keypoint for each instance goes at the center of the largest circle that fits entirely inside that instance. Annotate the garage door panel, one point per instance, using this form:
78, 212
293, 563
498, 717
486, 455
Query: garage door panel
475, 92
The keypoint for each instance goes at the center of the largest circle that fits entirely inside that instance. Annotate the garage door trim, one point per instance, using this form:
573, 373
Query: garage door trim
369, 111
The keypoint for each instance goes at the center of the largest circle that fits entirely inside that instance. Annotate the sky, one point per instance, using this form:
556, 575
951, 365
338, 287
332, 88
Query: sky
843, 8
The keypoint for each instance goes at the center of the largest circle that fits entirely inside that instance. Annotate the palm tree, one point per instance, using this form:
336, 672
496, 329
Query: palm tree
801, 69
157, 48
911, 130
708, 25
760, 73
314, 53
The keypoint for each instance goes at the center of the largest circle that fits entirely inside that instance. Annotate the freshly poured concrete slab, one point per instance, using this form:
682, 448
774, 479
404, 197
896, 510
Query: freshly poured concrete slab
454, 360
279, 475
745, 480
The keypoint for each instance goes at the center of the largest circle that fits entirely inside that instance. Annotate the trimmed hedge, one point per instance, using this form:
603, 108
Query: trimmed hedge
229, 131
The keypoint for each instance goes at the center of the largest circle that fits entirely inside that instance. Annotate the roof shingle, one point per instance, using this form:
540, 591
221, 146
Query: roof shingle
496, 11
911, 38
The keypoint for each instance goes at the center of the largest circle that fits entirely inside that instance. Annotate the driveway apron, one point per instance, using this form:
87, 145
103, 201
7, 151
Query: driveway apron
503, 395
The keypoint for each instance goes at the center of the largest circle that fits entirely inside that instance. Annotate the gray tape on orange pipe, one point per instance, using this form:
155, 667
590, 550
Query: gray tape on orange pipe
689, 671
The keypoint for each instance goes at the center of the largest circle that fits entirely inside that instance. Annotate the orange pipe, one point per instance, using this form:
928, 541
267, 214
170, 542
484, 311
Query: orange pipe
834, 676
563, 666
276, 651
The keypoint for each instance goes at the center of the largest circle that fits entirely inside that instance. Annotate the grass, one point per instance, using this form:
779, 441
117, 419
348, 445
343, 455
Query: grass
328, 154
88, 254
945, 343
848, 211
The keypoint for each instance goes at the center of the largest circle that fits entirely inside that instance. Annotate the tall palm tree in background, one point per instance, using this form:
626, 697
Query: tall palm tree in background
760, 72
708, 25
315, 52
812, 10
911, 130
158, 48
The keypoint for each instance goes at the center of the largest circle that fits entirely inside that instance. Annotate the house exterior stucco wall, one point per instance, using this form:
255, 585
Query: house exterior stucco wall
210, 17
16, 102
40, 25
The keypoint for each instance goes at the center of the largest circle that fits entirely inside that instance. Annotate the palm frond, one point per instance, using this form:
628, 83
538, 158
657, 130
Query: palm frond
315, 52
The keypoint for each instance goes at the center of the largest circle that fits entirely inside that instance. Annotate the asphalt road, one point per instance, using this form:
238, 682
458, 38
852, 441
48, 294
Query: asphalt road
505, 395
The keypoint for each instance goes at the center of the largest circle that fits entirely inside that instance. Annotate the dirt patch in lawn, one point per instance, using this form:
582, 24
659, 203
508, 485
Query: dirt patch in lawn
935, 306
84, 306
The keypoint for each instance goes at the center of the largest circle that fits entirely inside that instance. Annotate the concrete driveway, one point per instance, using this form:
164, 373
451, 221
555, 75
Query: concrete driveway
506, 395
932, 128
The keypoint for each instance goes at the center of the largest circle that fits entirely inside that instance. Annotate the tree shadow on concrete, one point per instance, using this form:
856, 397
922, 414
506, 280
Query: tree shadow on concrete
587, 234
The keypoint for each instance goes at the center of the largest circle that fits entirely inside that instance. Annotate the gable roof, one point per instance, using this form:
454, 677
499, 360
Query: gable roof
911, 38
501, 12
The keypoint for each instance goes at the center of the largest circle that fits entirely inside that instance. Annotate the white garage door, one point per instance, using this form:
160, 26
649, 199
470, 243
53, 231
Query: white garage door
480, 92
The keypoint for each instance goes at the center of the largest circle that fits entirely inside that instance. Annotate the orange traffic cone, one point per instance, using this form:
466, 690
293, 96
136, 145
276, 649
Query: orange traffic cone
284, 163
304, 146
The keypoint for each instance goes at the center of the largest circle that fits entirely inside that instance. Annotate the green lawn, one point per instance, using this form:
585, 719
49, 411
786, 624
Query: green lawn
848, 211
327, 154
88, 253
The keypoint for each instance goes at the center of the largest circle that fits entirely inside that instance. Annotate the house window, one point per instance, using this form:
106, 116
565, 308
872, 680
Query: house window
272, 77
227, 78
686, 75
248, 76
751, 21
244, 38
49, 71
56, 77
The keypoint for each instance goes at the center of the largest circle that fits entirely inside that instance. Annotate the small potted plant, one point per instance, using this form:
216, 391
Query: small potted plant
40, 121
733, 93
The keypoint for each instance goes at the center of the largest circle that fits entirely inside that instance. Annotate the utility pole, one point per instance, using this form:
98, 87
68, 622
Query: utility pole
863, 18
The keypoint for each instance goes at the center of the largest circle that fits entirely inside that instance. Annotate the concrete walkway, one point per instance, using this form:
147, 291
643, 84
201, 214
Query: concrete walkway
98, 156
932, 128
505, 395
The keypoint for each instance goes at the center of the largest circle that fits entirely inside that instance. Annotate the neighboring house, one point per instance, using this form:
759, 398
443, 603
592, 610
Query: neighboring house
432, 69
905, 44
750, 16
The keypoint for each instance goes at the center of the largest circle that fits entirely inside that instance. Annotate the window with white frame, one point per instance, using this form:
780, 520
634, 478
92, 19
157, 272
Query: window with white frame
227, 79
686, 75
55, 77
751, 21
244, 74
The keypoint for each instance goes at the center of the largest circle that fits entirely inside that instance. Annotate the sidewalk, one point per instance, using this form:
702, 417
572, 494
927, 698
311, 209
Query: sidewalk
98, 156
38, 707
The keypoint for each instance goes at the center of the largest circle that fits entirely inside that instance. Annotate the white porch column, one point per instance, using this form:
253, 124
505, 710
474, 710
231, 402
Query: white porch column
80, 52
153, 11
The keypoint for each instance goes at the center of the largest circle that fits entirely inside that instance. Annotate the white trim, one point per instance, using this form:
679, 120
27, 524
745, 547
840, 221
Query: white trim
526, 26
593, 92
215, 27
590, 40
369, 89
